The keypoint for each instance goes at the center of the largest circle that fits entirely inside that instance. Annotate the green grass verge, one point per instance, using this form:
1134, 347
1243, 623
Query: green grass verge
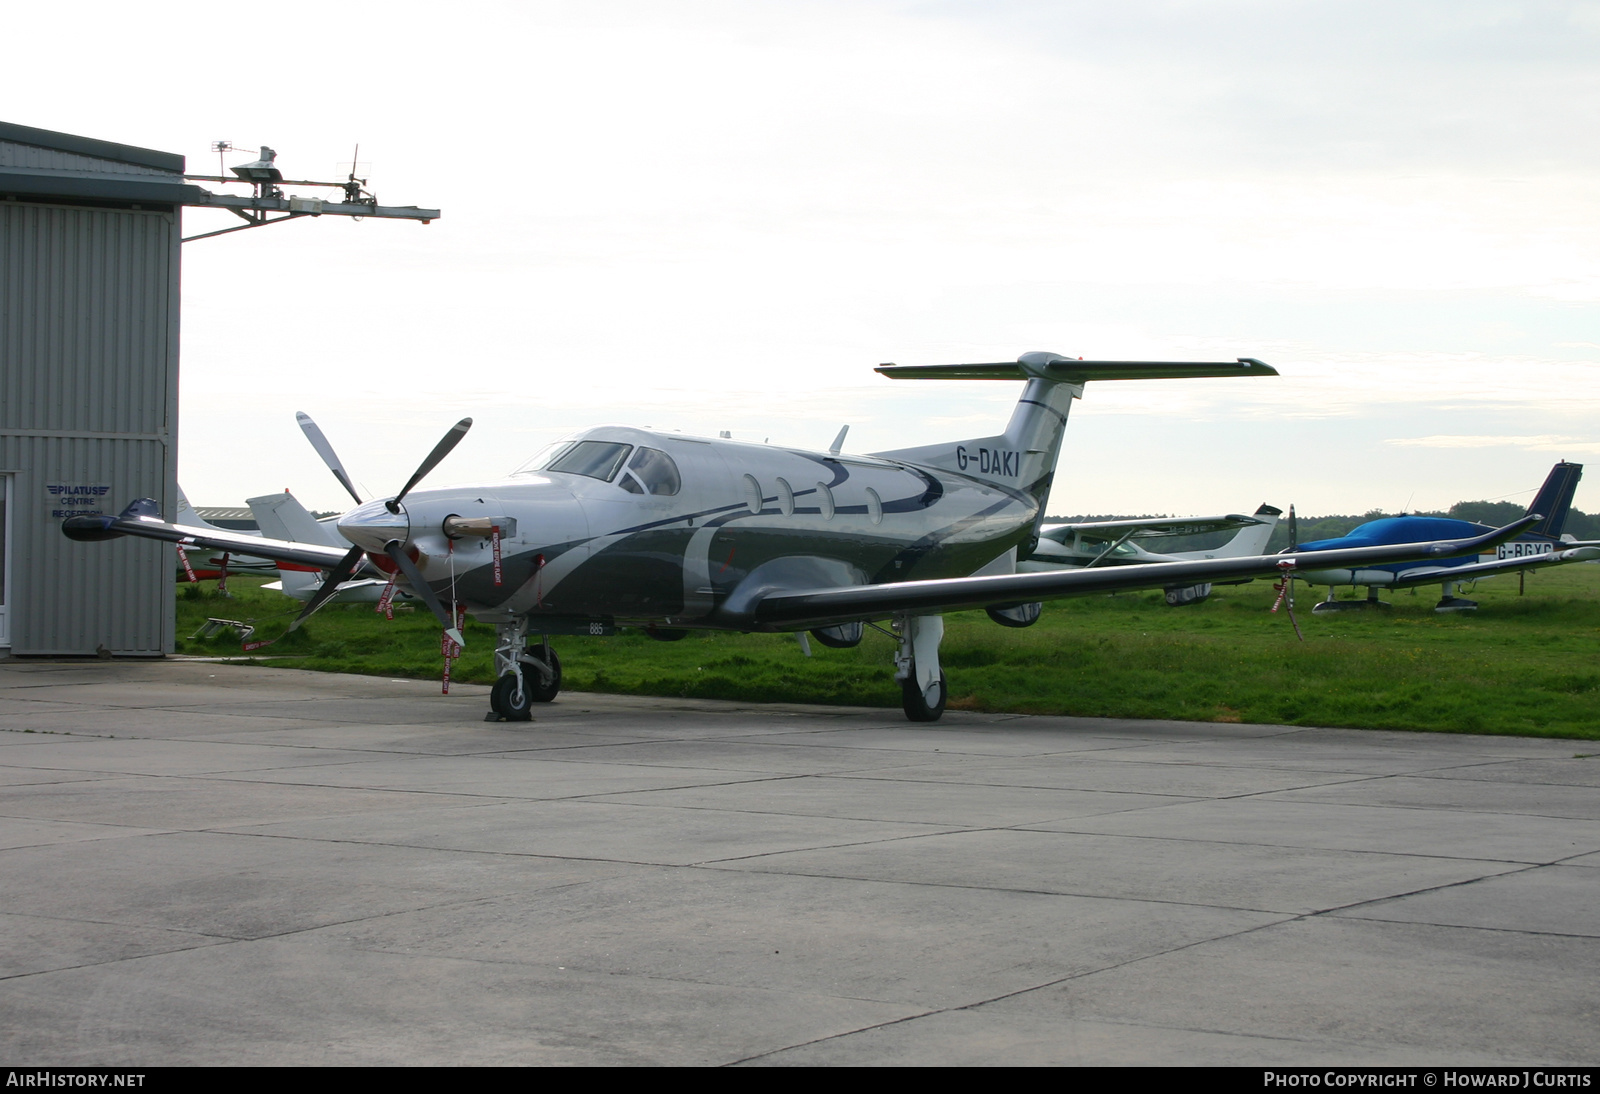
1525, 665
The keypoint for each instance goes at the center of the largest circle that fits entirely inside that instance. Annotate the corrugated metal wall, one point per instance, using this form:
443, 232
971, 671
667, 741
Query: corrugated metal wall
88, 395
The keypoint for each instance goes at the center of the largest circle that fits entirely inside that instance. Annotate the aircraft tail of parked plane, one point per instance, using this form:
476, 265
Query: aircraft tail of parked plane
209, 565
1252, 539
1554, 499
1024, 456
1537, 546
281, 516
1137, 540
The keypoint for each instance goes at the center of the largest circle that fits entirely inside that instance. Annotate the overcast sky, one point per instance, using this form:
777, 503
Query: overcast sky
710, 216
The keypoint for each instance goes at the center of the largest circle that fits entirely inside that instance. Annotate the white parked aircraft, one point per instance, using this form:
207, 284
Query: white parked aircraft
631, 527
1122, 543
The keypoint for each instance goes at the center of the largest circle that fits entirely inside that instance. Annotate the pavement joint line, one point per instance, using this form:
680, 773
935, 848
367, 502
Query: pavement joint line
698, 864
710, 862
870, 777
117, 923
1426, 807
502, 799
1426, 889
972, 1006
1531, 863
1082, 789
1574, 935
91, 839
1289, 915
9, 977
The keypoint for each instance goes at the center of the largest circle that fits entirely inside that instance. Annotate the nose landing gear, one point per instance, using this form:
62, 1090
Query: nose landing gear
525, 676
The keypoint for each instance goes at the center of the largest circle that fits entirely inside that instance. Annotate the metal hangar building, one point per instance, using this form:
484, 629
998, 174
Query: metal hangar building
90, 238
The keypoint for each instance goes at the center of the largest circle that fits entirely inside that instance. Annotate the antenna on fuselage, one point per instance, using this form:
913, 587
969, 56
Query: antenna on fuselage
838, 442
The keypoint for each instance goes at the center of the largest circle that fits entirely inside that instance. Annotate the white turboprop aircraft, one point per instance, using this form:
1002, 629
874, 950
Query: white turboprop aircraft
1121, 543
631, 527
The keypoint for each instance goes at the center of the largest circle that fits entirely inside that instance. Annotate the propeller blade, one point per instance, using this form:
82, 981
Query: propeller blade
1294, 530
330, 585
325, 450
421, 587
440, 451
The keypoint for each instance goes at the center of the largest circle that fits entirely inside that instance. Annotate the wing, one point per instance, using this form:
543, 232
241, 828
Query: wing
143, 519
801, 609
1436, 575
1152, 527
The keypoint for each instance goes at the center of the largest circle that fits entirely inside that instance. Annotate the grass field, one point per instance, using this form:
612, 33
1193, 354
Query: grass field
1525, 664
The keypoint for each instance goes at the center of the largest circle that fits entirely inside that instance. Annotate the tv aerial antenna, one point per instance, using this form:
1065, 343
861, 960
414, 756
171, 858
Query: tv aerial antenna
267, 198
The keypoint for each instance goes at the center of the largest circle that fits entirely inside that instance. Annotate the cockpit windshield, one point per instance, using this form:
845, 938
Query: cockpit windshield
650, 471
594, 459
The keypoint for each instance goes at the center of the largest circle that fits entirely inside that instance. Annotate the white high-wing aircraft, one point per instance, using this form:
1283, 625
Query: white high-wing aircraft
631, 527
1121, 543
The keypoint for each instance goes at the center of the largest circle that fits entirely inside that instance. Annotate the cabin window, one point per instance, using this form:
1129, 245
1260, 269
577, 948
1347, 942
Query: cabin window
651, 471
785, 498
874, 506
752, 494
825, 500
593, 459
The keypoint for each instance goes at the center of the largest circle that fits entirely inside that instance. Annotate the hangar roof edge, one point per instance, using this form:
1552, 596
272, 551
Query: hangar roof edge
89, 146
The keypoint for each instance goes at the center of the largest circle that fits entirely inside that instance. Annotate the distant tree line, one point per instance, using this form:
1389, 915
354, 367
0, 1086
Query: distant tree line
1495, 514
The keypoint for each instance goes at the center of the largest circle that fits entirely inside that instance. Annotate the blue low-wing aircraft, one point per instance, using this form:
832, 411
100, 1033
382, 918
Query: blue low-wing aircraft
1541, 544
618, 526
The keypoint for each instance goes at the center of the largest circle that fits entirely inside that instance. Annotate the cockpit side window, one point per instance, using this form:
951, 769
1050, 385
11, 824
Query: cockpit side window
651, 471
594, 459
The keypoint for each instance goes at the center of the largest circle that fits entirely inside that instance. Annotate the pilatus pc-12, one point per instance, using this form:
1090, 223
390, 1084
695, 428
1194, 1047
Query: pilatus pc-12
631, 527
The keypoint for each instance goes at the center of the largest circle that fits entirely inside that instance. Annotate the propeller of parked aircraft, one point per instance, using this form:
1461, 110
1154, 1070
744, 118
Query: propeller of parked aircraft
362, 526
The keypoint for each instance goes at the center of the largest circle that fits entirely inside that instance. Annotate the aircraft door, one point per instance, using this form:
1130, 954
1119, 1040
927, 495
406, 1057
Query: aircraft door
709, 485
643, 519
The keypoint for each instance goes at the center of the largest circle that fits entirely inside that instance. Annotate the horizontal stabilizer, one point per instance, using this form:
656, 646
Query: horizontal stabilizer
1051, 366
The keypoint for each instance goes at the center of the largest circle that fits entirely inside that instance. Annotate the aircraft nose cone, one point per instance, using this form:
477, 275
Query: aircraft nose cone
372, 526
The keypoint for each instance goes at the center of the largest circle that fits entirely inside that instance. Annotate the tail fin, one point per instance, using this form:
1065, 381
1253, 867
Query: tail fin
1024, 456
1252, 539
1555, 499
280, 516
188, 517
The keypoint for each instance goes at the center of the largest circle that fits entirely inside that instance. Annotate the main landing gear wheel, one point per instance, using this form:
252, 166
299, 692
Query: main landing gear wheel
512, 703
537, 688
916, 704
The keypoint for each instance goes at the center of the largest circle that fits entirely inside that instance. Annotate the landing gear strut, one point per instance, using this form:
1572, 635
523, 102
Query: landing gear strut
525, 676
1450, 602
923, 690
1332, 605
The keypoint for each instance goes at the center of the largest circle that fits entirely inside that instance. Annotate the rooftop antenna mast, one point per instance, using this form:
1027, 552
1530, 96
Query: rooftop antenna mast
267, 197
354, 188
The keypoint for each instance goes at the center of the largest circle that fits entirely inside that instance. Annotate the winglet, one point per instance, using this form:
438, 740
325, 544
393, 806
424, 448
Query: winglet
92, 529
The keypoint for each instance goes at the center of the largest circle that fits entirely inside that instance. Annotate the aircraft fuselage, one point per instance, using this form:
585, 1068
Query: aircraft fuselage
740, 520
